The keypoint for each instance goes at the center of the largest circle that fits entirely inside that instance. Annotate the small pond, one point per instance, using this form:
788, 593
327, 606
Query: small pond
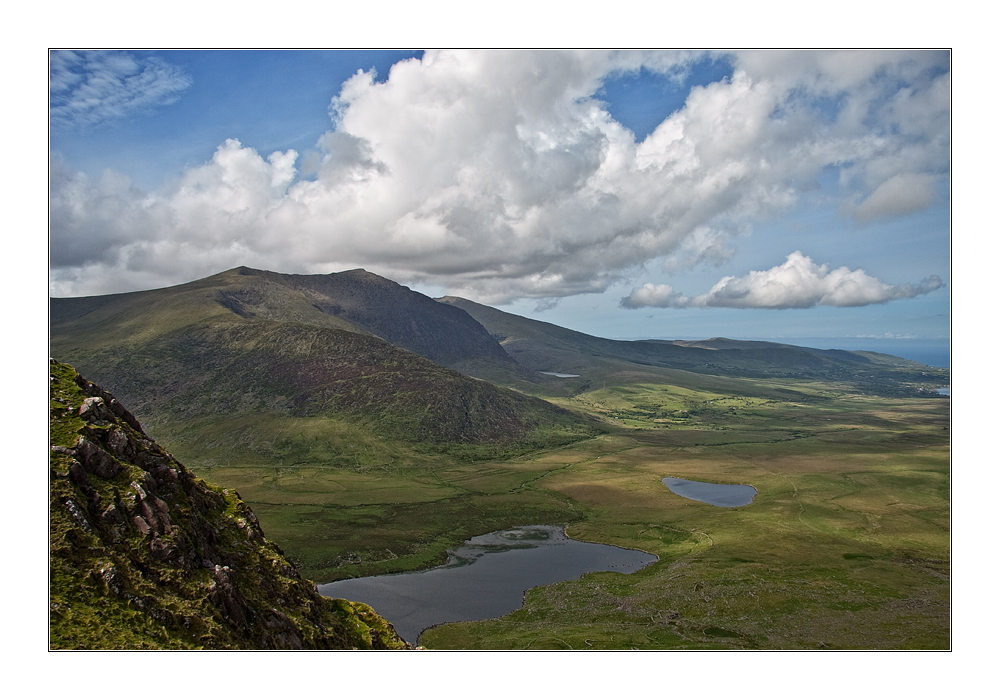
561, 375
723, 495
944, 391
484, 578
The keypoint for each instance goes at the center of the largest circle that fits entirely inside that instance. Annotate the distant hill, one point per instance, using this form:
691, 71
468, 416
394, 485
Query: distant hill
144, 555
270, 354
541, 347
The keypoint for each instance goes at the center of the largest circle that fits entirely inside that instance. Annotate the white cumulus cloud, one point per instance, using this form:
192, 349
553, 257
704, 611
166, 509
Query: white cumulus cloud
502, 175
798, 283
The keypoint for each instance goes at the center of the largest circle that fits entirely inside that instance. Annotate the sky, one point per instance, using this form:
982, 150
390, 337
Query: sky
628, 194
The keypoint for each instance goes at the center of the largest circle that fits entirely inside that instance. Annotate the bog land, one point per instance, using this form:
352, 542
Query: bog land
845, 546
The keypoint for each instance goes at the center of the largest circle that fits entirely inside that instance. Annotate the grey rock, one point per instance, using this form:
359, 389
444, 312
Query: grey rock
78, 516
149, 515
95, 460
120, 444
122, 413
139, 492
94, 409
79, 475
163, 512
112, 579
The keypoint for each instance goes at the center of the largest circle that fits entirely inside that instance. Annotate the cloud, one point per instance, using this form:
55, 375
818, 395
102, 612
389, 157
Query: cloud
502, 175
654, 295
798, 283
108, 236
898, 196
92, 87
703, 244
889, 336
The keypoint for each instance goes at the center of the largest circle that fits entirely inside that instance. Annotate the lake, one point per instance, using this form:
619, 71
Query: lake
722, 495
561, 375
484, 578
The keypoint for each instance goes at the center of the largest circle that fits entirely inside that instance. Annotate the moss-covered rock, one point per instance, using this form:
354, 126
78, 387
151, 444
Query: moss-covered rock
144, 555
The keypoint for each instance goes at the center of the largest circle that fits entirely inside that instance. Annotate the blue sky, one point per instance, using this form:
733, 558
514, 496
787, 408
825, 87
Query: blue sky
623, 194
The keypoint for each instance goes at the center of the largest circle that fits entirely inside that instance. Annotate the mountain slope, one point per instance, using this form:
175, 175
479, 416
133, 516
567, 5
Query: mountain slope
541, 346
355, 301
393, 312
257, 346
145, 555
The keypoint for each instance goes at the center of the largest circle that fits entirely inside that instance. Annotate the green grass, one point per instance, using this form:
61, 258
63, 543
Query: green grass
846, 545
852, 517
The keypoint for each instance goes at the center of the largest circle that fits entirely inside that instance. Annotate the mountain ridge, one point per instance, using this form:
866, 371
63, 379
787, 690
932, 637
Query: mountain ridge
541, 346
354, 300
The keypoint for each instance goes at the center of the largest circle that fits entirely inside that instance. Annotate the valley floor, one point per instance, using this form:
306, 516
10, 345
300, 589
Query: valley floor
846, 546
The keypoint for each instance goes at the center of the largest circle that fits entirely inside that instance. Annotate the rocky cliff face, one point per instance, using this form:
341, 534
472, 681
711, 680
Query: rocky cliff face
143, 554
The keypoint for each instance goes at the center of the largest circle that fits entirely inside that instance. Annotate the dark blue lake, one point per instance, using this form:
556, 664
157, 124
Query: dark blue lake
722, 495
484, 578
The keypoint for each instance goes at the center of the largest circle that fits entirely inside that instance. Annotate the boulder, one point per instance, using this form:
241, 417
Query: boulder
94, 409
95, 460
120, 444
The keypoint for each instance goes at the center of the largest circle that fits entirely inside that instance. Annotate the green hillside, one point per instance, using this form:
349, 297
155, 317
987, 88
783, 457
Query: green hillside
240, 367
144, 555
394, 313
541, 347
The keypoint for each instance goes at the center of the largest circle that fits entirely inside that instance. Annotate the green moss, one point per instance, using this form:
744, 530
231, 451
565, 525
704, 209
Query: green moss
208, 579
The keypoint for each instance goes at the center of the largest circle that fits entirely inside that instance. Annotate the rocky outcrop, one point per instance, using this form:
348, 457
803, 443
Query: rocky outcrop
146, 555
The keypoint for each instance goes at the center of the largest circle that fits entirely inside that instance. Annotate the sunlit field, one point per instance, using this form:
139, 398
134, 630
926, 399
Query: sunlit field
845, 546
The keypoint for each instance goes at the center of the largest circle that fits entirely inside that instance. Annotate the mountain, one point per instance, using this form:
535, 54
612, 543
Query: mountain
249, 366
394, 313
144, 555
542, 347
244, 363
355, 301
